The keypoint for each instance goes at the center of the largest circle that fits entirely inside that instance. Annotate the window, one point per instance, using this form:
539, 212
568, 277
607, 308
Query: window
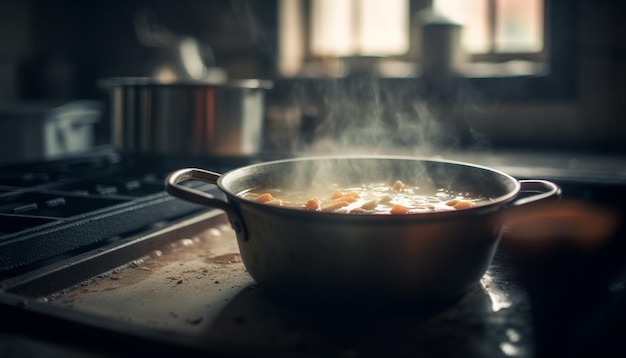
513, 28
359, 27
316, 33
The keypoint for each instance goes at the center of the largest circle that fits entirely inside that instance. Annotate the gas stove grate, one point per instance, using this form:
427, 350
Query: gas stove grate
53, 207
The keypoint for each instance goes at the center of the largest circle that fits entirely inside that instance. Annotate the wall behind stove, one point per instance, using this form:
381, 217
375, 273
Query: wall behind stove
15, 44
59, 49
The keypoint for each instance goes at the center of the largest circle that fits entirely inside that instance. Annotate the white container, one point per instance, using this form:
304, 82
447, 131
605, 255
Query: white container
40, 130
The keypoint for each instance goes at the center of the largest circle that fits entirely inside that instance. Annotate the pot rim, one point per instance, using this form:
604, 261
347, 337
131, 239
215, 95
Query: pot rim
249, 83
496, 204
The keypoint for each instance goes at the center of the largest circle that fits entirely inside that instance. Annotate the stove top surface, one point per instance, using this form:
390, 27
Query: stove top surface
94, 247
56, 207
184, 290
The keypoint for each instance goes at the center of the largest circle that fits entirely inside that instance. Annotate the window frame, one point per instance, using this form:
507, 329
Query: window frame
493, 56
559, 82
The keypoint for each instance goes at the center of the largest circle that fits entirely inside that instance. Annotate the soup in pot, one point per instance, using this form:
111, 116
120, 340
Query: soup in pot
376, 198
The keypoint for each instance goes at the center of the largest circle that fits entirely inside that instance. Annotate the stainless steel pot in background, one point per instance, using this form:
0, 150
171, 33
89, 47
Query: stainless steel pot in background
190, 117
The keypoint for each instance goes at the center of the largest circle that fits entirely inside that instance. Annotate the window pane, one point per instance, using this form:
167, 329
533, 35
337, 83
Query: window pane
384, 27
291, 36
474, 16
519, 26
360, 27
332, 28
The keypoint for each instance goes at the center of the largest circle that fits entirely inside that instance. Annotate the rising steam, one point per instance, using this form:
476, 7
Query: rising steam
364, 114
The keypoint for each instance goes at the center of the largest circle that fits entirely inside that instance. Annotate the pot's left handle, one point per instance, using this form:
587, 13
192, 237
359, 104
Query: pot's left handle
173, 187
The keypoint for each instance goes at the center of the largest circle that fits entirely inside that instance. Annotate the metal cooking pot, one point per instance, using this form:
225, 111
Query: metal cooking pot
338, 257
187, 117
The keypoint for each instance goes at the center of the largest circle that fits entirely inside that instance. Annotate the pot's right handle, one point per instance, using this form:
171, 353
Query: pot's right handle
541, 189
173, 187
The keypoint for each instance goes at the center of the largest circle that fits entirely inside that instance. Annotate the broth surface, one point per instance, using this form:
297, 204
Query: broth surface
375, 198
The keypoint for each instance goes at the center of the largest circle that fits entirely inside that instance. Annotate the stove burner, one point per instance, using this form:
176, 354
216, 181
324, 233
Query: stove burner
55, 207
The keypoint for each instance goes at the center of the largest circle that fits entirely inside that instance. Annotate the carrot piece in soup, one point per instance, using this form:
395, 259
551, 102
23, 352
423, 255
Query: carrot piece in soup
336, 194
399, 209
349, 199
352, 194
312, 204
462, 204
264, 198
334, 205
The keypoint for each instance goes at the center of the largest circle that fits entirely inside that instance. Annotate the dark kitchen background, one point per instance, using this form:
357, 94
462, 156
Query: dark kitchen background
75, 205
60, 50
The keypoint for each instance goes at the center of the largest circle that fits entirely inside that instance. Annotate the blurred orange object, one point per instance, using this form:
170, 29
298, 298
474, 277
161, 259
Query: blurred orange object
568, 223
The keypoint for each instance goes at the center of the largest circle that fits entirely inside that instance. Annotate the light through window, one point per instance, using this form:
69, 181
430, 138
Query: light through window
497, 26
359, 27
314, 32
519, 26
